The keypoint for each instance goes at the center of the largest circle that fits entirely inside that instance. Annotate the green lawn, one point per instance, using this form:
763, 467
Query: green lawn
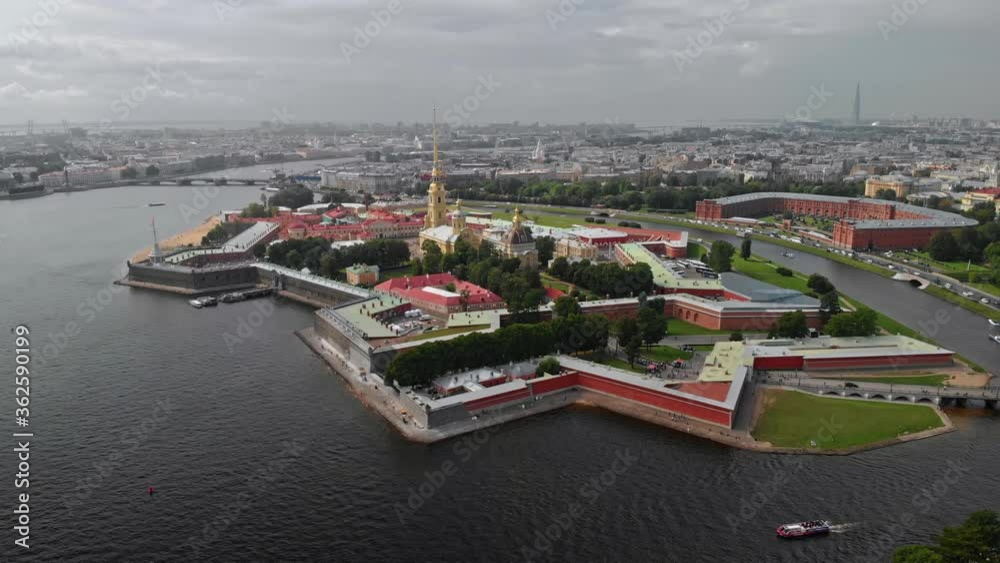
619, 363
445, 332
696, 251
677, 327
988, 288
549, 281
964, 302
762, 270
545, 220
796, 420
397, 273
928, 380
665, 354
953, 266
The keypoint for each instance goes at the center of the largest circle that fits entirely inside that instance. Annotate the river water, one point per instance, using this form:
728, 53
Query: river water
259, 452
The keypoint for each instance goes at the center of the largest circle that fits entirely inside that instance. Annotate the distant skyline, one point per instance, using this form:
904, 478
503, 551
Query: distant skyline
660, 62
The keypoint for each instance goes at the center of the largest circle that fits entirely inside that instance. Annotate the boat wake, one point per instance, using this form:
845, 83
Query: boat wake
841, 528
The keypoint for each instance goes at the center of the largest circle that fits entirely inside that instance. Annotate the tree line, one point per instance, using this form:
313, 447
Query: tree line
655, 190
316, 254
514, 343
521, 289
606, 279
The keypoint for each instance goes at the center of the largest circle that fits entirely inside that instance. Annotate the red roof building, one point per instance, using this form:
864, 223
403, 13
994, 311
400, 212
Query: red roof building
428, 292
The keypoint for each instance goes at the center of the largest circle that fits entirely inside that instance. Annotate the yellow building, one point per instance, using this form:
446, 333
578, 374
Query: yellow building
437, 196
896, 184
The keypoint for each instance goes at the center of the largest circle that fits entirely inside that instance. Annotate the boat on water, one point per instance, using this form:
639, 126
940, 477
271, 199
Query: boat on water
994, 323
203, 302
804, 529
994, 338
156, 204
232, 297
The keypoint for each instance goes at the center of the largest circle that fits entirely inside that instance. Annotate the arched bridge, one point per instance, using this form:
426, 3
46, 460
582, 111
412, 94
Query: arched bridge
915, 281
886, 391
220, 181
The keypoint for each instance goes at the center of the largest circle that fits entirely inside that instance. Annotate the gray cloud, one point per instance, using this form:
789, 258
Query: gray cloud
606, 59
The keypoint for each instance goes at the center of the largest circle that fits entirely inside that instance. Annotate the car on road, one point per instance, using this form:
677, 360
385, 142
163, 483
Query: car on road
968, 294
984, 301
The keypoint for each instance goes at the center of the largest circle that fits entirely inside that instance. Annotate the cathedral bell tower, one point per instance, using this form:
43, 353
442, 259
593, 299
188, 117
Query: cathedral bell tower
436, 193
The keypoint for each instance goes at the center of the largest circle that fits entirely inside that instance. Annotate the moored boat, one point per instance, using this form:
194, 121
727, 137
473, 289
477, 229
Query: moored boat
209, 301
196, 303
804, 529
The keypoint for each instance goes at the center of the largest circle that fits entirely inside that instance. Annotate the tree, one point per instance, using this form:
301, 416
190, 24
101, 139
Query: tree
294, 197
720, 258
886, 194
130, 173
745, 248
917, 554
152, 170
791, 325
566, 306
257, 210
863, 322
652, 325
625, 329
546, 247
819, 284
632, 349
977, 539
432, 257
548, 365
943, 246
736, 337
19, 178
829, 305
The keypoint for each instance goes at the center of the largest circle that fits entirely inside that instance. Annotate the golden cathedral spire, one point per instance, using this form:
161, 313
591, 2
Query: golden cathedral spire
436, 194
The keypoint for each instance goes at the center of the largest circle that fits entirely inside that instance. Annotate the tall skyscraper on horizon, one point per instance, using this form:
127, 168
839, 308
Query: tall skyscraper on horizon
857, 105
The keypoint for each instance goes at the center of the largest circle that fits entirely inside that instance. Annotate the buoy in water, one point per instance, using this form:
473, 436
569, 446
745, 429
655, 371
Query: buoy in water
150, 490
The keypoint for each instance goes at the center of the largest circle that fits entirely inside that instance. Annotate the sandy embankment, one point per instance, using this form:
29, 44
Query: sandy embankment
191, 237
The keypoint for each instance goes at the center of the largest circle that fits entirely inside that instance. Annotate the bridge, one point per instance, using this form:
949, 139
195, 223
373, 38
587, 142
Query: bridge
219, 181
915, 281
885, 391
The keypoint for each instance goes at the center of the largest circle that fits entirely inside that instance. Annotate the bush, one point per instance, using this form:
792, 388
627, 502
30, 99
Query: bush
785, 272
736, 337
589, 220
549, 365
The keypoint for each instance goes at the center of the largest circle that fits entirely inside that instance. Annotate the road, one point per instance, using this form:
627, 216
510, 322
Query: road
949, 325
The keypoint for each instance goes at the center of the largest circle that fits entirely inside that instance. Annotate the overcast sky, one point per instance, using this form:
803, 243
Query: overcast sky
578, 60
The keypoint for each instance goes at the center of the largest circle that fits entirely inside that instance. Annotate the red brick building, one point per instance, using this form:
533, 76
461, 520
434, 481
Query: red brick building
863, 224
